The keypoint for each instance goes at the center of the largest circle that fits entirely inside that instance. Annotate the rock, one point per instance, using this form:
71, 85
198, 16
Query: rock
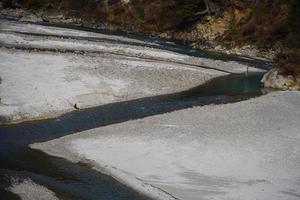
274, 79
76, 106
52, 16
219, 48
125, 1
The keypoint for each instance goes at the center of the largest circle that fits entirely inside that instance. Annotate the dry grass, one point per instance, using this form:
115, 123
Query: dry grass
288, 61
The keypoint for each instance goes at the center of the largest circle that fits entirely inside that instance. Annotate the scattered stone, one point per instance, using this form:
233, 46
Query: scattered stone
31, 18
76, 106
17, 13
274, 79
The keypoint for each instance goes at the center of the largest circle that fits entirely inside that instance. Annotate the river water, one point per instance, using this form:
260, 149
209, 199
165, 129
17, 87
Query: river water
77, 181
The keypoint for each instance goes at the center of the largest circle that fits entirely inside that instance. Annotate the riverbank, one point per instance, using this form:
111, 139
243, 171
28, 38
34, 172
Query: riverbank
201, 36
245, 150
28, 190
48, 71
234, 28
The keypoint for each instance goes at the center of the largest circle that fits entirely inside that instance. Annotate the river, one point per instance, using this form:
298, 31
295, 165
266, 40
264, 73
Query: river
77, 181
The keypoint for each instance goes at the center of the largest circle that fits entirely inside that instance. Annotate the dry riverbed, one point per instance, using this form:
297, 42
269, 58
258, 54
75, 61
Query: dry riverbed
48, 71
29, 190
247, 150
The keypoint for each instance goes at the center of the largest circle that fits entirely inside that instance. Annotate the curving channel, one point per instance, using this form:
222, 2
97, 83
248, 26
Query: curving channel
71, 181
77, 181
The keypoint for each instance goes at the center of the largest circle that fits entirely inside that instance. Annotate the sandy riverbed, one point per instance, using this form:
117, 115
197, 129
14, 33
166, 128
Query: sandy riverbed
29, 190
246, 150
37, 84
45, 76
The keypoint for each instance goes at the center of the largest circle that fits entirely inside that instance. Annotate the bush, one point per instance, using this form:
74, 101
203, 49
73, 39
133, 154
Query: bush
288, 61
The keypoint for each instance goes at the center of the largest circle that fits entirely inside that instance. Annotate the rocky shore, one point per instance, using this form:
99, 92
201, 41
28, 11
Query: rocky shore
245, 150
54, 16
202, 32
275, 79
213, 32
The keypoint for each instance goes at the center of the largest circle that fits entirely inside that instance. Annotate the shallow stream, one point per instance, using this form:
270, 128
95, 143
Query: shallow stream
77, 181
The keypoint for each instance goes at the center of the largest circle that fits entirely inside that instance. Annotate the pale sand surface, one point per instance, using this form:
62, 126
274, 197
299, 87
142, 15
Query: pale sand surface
61, 44
46, 81
11, 35
38, 84
29, 190
247, 150
57, 31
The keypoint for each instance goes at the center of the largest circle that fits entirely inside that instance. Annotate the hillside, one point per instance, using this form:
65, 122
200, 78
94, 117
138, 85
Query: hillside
255, 28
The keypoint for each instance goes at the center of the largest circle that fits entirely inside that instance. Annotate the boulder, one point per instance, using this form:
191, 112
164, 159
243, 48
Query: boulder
275, 79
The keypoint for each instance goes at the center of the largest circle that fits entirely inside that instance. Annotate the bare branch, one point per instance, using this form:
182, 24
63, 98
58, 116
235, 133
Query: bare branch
201, 13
